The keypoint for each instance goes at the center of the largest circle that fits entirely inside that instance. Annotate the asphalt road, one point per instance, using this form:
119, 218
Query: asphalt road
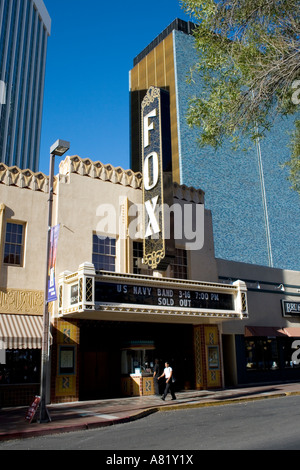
271, 424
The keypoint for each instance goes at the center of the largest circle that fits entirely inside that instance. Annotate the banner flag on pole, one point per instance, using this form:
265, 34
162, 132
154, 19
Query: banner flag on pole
54, 234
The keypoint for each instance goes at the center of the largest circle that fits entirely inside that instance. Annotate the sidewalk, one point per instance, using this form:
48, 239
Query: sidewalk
95, 414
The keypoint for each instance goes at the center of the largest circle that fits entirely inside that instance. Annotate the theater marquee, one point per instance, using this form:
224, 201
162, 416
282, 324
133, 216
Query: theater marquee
129, 297
139, 294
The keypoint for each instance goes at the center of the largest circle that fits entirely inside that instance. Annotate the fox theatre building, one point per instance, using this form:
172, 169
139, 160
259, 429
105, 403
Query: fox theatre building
137, 276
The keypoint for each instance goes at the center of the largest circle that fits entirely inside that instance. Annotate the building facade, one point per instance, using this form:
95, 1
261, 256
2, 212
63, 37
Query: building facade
24, 29
23, 212
217, 322
265, 345
252, 224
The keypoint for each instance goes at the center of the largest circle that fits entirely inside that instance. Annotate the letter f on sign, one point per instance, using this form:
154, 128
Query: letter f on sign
148, 127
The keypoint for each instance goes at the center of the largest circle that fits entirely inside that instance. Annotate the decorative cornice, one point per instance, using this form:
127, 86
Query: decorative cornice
27, 179
14, 176
188, 194
116, 175
97, 170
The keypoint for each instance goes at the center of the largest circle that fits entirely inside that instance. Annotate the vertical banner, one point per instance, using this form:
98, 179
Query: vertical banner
159, 246
154, 242
54, 234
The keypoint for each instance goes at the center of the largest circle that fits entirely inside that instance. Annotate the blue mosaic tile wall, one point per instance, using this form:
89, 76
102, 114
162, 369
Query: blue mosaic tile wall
231, 181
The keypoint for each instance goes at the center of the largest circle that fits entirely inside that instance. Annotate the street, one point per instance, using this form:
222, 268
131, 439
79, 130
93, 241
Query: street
271, 424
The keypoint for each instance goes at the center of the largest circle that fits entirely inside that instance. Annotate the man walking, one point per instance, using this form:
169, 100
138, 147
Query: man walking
168, 374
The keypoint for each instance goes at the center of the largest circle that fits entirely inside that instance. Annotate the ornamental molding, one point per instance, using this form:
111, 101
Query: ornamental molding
116, 175
97, 170
22, 302
151, 95
27, 179
170, 312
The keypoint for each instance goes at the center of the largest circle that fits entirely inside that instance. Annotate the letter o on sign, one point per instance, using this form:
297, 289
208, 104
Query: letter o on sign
151, 162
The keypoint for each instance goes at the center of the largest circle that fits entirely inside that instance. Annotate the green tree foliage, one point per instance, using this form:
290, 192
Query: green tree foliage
249, 64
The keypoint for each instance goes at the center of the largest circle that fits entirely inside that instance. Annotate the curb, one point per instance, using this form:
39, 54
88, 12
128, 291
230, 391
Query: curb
147, 412
226, 401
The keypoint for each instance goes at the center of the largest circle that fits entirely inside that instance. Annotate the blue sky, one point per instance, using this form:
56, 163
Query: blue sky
90, 53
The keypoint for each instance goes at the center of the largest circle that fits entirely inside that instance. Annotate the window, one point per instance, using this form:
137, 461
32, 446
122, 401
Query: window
137, 255
14, 244
262, 354
180, 270
104, 253
137, 361
22, 366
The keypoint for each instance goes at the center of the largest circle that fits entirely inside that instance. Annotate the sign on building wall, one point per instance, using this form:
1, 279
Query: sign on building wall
154, 196
291, 309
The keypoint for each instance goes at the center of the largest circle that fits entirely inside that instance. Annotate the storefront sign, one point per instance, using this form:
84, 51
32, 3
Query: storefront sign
153, 199
162, 297
290, 309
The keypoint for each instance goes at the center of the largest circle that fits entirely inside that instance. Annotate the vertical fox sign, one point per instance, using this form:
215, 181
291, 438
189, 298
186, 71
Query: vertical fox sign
153, 184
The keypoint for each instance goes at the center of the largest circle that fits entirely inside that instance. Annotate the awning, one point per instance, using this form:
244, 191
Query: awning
292, 332
263, 331
21, 331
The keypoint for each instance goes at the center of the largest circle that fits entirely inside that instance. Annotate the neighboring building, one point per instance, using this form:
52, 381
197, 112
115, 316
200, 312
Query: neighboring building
255, 213
24, 29
113, 315
265, 345
23, 219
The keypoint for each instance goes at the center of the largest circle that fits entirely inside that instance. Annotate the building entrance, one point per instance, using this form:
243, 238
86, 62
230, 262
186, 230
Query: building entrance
112, 351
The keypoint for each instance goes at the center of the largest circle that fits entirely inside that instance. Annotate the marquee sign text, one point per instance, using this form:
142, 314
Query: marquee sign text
162, 297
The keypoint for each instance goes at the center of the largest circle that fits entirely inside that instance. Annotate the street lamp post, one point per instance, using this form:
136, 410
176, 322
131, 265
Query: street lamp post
59, 148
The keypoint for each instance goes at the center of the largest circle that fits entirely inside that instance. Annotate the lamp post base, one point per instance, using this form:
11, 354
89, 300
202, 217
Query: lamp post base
44, 416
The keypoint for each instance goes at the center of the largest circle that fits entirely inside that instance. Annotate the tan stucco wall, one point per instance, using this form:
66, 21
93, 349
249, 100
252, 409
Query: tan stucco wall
79, 199
24, 205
